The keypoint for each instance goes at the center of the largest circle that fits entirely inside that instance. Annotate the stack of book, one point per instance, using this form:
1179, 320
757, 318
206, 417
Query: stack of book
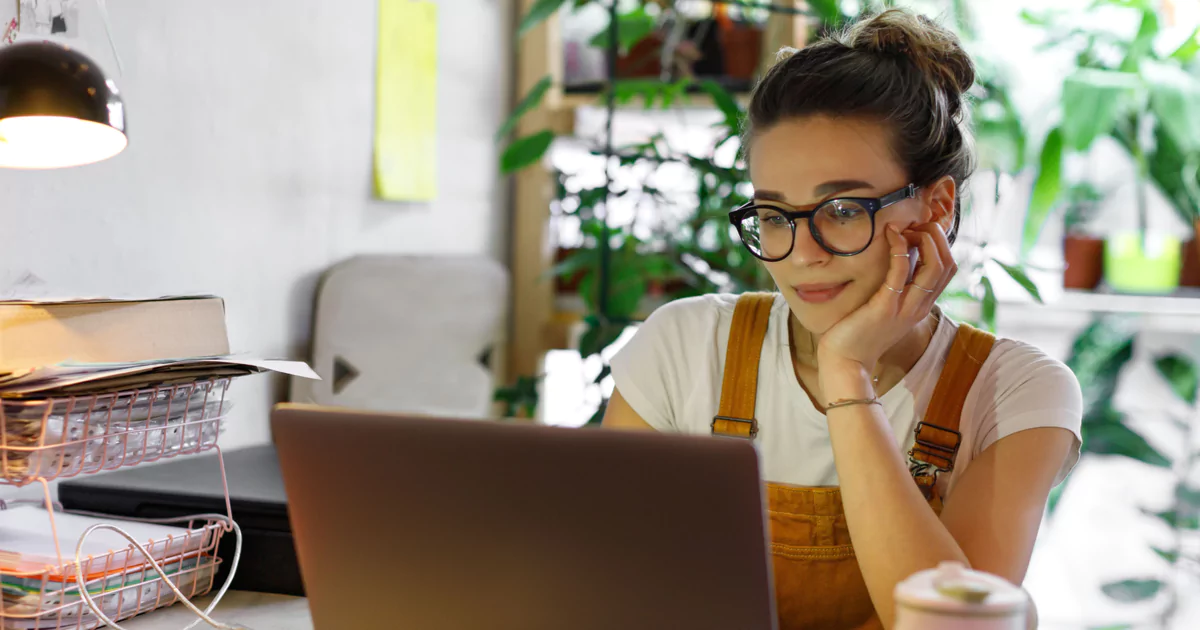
94, 384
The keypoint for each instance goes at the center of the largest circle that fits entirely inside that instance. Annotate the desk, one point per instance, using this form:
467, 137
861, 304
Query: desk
259, 611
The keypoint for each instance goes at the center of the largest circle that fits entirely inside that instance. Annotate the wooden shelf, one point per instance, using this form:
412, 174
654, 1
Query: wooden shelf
686, 101
1177, 313
537, 320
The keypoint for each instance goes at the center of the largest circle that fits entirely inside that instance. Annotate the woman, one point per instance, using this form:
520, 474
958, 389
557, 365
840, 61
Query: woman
868, 406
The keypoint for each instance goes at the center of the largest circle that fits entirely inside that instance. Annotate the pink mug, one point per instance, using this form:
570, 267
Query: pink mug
953, 597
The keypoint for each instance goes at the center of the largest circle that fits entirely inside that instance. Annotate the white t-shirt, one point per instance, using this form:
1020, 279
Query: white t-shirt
670, 373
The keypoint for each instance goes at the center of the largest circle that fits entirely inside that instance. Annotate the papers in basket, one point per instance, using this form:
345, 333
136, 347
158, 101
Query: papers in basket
89, 378
27, 544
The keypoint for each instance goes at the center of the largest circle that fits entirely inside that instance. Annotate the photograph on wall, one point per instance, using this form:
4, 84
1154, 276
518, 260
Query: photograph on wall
49, 18
10, 11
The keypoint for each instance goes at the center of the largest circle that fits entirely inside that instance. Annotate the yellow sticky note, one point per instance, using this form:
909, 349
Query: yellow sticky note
406, 101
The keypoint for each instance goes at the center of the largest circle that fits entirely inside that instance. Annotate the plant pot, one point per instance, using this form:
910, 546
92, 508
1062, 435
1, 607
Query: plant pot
1189, 276
742, 48
566, 284
643, 59
1133, 264
1084, 258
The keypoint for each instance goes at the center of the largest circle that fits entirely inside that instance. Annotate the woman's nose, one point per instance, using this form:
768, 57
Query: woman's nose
805, 248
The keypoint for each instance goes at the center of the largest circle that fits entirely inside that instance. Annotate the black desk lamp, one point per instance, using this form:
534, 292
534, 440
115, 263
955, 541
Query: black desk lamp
56, 108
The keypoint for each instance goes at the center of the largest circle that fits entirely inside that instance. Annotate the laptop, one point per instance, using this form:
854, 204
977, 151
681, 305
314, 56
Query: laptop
433, 523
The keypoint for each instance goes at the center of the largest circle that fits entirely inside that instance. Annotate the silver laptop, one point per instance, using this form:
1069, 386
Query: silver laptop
430, 524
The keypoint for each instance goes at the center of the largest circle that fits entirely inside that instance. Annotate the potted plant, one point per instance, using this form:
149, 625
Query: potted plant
1150, 105
1083, 250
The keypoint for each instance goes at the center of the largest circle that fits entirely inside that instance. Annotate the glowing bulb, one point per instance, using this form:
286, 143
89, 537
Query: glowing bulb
56, 142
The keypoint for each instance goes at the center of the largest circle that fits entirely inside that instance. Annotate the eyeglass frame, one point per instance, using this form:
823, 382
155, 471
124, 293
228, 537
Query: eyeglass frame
871, 204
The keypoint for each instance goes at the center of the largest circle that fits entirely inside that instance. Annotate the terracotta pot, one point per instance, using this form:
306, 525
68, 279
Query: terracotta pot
566, 284
742, 46
1189, 274
643, 59
1084, 257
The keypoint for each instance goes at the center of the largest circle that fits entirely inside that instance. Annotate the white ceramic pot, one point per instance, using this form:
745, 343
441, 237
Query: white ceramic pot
952, 597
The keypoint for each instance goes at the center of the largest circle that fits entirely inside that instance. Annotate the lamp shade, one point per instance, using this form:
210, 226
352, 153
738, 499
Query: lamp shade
56, 108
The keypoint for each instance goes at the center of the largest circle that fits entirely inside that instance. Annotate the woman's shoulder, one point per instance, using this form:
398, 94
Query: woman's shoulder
1022, 377
1016, 357
694, 314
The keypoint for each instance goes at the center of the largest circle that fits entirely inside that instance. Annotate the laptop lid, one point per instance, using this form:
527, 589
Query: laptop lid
407, 522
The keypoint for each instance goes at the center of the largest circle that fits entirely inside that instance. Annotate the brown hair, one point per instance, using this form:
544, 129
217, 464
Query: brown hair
900, 68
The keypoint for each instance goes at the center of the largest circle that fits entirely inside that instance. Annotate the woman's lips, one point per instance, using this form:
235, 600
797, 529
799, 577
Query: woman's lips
818, 293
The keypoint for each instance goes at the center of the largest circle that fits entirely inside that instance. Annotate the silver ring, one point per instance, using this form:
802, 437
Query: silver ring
899, 255
914, 284
889, 287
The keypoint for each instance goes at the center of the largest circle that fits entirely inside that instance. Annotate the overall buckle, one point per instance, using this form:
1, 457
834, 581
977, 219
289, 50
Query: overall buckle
752, 422
937, 451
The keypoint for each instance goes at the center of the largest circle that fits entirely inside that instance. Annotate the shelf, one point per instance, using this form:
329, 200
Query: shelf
592, 95
1177, 313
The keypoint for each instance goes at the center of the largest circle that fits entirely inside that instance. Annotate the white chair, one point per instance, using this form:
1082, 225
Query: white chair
407, 334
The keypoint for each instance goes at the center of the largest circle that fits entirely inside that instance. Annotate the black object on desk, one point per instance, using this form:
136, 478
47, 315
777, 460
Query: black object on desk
192, 485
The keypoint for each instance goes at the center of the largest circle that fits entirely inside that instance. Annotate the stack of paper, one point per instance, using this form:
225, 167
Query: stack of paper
27, 544
33, 582
92, 378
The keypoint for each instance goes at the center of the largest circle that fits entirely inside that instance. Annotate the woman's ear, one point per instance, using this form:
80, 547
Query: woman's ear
940, 201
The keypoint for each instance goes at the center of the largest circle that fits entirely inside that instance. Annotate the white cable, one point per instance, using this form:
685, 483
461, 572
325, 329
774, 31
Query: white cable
108, 30
203, 615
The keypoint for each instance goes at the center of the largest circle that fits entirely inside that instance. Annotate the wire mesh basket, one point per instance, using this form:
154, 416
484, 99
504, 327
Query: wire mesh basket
120, 582
62, 437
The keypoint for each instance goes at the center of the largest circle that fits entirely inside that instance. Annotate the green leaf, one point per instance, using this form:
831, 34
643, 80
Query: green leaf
527, 104
1175, 520
1092, 101
674, 91
1045, 189
538, 13
598, 417
1175, 100
1056, 495
1180, 374
628, 289
828, 11
1188, 498
631, 28
521, 395
598, 336
525, 151
1188, 49
1169, 556
628, 89
726, 103
578, 260
1143, 43
1098, 356
988, 304
1018, 274
605, 372
1114, 438
1131, 591
1035, 19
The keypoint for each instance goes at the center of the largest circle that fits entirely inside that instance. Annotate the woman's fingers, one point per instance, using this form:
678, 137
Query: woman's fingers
897, 276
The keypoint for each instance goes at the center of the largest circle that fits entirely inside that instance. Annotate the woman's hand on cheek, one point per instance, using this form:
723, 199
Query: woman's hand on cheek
861, 338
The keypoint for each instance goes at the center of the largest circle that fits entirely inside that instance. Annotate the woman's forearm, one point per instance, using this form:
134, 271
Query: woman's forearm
895, 533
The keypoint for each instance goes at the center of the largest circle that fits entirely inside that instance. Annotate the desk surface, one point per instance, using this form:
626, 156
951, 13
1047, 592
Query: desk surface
259, 611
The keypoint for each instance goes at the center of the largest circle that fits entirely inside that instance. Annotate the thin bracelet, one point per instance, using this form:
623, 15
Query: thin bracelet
853, 401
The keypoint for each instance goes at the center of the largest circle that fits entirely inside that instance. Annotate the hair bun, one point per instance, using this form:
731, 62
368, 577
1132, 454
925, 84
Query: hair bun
933, 49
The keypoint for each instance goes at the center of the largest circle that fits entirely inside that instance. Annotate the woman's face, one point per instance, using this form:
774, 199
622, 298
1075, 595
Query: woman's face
802, 162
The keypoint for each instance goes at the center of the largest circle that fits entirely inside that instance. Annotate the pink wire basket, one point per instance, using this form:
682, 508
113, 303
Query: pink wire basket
61, 437
121, 582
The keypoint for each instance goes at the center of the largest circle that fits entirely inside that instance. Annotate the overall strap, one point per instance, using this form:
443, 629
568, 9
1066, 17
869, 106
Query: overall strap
938, 436
739, 385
